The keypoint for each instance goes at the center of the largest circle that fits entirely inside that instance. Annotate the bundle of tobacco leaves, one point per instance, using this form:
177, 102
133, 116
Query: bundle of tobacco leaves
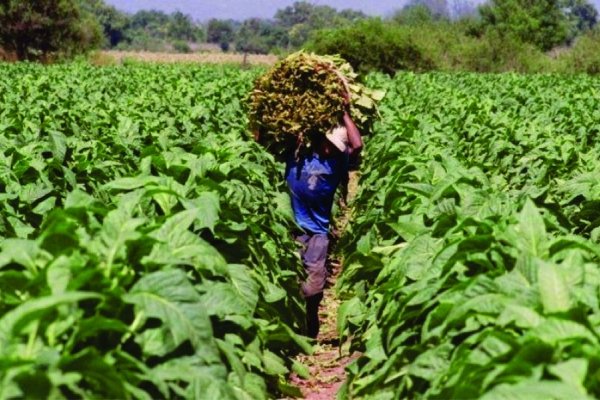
302, 96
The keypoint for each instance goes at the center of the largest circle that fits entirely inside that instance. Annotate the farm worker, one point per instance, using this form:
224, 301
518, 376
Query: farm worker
312, 181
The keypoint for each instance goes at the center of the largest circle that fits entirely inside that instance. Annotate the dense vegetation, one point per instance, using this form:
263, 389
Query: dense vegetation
472, 264
495, 36
146, 29
46, 30
155, 30
143, 241
144, 246
467, 45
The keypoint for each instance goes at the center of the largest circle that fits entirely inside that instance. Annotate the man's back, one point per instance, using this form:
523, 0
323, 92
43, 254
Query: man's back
313, 181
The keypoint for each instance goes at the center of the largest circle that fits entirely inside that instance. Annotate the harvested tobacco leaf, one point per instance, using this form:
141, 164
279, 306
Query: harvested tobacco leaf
302, 97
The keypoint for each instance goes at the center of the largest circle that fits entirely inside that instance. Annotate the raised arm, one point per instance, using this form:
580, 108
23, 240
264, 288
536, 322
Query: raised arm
354, 138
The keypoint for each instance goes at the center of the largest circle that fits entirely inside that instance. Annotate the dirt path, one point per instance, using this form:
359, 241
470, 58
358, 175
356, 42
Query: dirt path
326, 365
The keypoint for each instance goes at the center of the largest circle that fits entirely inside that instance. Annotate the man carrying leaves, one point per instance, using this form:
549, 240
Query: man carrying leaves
313, 180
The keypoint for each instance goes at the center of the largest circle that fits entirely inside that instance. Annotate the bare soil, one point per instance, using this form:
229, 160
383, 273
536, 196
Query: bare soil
327, 364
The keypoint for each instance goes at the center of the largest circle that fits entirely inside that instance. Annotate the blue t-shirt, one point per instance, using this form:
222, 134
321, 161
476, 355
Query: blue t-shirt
312, 182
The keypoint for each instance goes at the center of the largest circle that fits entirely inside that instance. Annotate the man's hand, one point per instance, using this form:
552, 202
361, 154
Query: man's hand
346, 97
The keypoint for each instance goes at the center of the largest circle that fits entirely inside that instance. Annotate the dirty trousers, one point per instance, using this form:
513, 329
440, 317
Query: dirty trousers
314, 256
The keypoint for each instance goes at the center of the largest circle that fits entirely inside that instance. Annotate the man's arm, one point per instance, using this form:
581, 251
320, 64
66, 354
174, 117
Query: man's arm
354, 138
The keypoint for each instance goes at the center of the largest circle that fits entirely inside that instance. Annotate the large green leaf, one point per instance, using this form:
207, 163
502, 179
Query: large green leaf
534, 390
554, 291
177, 245
532, 231
20, 251
32, 310
170, 297
207, 204
554, 331
572, 372
118, 228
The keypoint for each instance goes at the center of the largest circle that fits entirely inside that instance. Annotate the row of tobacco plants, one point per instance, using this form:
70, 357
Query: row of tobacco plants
473, 263
143, 242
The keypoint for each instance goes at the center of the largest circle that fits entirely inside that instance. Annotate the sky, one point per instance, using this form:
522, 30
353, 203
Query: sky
203, 10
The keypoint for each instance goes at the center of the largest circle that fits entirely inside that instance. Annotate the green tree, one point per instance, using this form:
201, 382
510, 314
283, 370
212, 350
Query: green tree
581, 15
221, 32
114, 23
152, 22
315, 16
539, 22
439, 8
302, 18
417, 14
352, 15
391, 47
181, 27
42, 29
181, 46
298, 13
259, 36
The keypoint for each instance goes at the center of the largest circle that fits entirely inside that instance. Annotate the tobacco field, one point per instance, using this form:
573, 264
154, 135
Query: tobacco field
471, 267
145, 248
144, 240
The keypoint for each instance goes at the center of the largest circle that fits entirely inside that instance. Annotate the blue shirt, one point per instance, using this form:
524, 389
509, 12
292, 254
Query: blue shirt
312, 182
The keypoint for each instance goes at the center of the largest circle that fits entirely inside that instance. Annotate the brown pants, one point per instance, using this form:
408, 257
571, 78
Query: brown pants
314, 256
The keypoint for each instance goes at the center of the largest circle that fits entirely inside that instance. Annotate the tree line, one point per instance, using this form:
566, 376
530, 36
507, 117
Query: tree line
36, 29
424, 34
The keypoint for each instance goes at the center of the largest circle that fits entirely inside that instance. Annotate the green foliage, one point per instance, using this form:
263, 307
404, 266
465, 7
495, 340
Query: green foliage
46, 29
581, 15
154, 30
144, 247
302, 97
219, 31
417, 14
472, 263
114, 23
181, 27
288, 30
584, 56
181, 46
433, 34
373, 45
422, 11
302, 18
424, 35
539, 22
258, 36
493, 52
509, 36
154, 22
444, 46
146, 29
